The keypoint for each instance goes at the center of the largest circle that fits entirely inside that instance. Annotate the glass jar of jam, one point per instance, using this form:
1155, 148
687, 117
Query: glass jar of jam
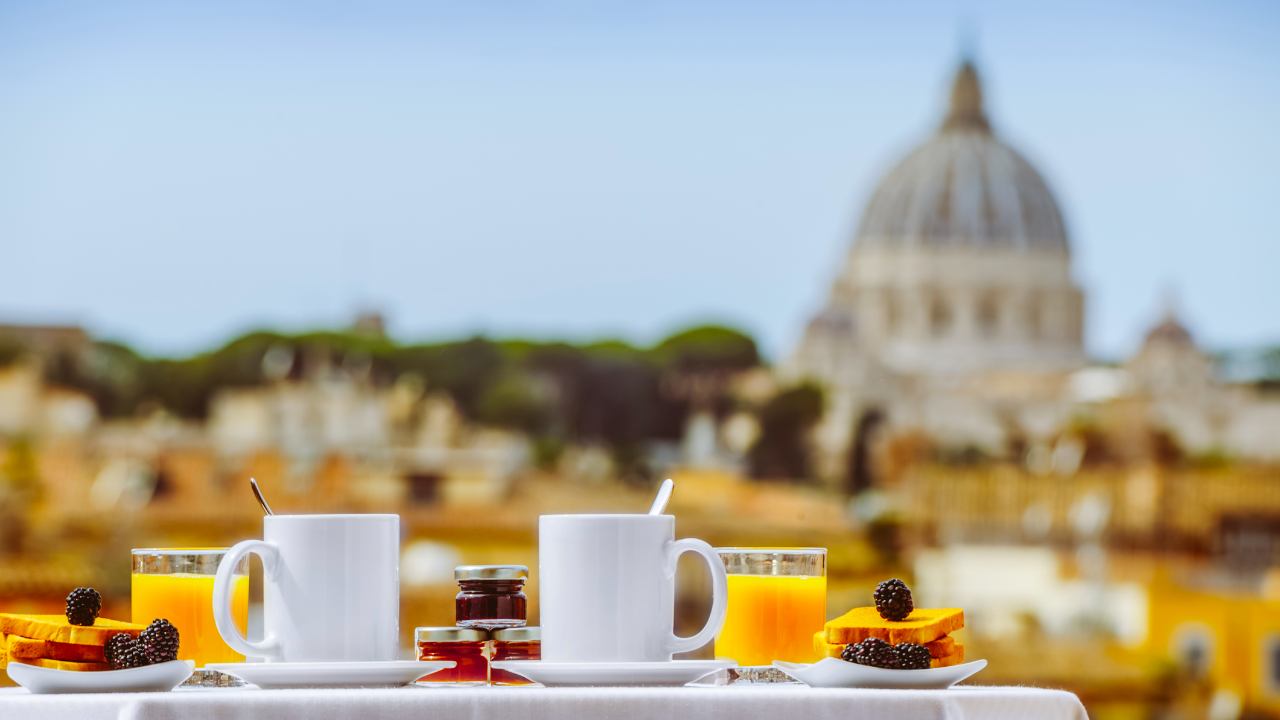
514, 644
490, 597
464, 646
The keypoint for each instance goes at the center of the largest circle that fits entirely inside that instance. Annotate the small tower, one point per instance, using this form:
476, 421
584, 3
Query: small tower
1169, 364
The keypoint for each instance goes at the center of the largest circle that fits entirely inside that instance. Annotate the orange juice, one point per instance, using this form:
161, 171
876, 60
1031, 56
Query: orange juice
186, 600
772, 617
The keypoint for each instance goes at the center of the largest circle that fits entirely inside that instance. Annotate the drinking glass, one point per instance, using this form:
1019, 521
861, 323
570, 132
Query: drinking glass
177, 584
777, 603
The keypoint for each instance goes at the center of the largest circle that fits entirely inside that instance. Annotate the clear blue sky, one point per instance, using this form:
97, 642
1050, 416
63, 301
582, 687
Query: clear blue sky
172, 173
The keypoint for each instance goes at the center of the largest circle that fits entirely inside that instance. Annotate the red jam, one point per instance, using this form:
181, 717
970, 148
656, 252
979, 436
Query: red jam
464, 646
514, 644
491, 597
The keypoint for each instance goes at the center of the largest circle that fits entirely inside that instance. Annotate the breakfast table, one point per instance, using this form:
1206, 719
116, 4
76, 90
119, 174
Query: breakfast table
604, 647
734, 702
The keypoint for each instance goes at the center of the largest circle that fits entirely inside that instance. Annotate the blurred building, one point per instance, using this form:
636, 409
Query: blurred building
29, 406
955, 314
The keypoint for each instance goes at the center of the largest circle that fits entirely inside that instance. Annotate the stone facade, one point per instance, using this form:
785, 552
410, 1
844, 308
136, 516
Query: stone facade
955, 313
960, 269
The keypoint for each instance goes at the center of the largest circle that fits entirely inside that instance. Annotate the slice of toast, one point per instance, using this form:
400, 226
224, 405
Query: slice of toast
955, 657
57, 629
822, 648
62, 664
941, 647
921, 626
22, 649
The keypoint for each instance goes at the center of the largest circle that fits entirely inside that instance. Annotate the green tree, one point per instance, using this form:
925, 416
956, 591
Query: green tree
465, 370
515, 401
609, 392
10, 350
1271, 368
782, 449
697, 367
707, 349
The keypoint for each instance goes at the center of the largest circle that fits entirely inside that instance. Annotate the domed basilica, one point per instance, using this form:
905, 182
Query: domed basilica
955, 311
961, 262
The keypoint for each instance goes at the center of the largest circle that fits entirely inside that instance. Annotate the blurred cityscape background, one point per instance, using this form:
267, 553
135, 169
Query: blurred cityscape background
944, 395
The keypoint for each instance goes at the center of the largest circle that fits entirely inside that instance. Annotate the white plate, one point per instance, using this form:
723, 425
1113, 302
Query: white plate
673, 673
331, 674
160, 677
836, 673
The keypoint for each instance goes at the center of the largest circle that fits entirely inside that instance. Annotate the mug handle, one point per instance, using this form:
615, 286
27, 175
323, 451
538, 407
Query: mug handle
719, 593
268, 647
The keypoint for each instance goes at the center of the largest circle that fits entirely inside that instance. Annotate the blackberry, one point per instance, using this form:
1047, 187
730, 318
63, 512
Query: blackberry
872, 651
159, 641
893, 600
126, 653
847, 653
116, 647
912, 656
83, 605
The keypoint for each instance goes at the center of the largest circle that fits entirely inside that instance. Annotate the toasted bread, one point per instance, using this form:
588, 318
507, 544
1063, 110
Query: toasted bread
955, 657
22, 649
57, 629
941, 647
63, 664
923, 625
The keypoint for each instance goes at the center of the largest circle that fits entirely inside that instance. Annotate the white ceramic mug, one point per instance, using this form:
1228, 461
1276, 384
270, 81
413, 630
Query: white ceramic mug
606, 587
331, 589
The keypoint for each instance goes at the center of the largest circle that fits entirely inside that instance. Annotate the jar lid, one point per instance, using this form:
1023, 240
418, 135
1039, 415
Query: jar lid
490, 572
449, 634
519, 634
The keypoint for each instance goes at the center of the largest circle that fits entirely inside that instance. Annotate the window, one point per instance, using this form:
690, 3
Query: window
1033, 323
424, 488
988, 315
891, 314
939, 316
1193, 648
163, 487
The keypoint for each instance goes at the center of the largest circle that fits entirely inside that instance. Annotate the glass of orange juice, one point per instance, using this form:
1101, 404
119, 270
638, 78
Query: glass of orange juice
777, 602
177, 584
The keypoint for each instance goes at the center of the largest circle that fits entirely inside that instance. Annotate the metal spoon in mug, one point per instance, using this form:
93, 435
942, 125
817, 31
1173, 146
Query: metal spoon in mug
664, 494
257, 492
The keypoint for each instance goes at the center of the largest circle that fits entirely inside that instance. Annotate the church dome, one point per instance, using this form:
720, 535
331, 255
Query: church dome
961, 267
964, 187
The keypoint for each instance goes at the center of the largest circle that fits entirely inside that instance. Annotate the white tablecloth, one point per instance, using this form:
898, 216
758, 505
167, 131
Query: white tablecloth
779, 702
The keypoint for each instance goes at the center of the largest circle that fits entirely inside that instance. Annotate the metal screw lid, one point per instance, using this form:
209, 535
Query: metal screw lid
449, 634
491, 572
520, 634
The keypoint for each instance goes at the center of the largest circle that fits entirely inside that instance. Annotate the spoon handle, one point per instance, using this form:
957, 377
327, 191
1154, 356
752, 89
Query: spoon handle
664, 495
257, 492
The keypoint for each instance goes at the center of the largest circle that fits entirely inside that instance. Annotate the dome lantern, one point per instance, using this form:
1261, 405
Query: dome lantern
965, 111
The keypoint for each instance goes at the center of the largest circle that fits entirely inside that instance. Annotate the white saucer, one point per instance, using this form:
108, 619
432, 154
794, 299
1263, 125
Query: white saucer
160, 677
331, 674
836, 673
673, 673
